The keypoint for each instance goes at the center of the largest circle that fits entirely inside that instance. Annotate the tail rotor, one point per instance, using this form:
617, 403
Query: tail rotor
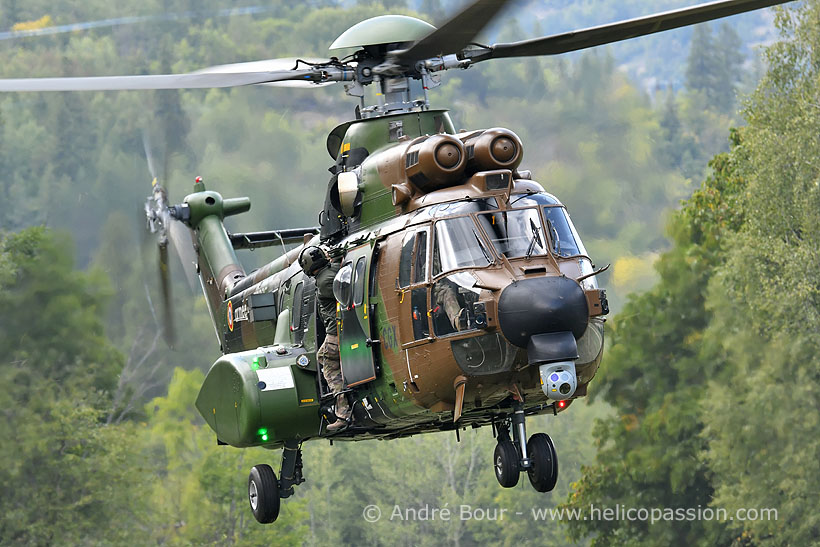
167, 222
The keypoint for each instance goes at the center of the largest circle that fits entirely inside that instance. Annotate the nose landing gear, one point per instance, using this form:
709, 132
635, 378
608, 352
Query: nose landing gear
265, 492
543, 471
505, 459
537, 456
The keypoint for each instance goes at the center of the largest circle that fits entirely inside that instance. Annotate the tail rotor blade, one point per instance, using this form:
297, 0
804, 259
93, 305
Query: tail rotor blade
149, 156
180, 238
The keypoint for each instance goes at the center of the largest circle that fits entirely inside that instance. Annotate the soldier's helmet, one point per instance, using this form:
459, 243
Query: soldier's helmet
312, 259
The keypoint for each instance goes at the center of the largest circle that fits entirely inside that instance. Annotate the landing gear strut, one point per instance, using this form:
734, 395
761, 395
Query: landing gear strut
265, 492
511, 457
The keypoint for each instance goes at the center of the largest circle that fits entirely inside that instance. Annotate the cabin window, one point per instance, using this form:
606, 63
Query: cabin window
359, 282
296, 318
515, 233
342, 285
458, 244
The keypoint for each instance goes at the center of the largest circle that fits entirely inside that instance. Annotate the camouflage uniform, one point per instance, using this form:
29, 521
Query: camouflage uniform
328, 354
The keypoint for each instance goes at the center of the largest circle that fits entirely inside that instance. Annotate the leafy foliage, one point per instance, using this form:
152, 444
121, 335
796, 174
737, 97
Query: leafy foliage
713, 370
67, 478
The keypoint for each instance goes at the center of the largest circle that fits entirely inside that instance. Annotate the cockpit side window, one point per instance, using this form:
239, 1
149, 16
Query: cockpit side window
413, 270
562, 234
452, 304
419, 316
405, 260
420, 262
413, 258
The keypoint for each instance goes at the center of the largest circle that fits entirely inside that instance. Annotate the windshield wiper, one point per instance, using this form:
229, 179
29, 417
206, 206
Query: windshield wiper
481, 246
536, 238
556, 241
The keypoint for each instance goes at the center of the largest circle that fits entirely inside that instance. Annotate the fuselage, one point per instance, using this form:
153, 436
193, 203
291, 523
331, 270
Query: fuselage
450, 298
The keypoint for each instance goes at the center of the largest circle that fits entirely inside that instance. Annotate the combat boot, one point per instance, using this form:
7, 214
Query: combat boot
338, 425
344, 414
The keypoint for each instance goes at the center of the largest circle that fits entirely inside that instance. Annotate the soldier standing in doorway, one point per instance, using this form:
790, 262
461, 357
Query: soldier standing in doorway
317, 263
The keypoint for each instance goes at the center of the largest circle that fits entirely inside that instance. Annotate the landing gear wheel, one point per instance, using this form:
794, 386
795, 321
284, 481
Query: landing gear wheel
543, 471
505, 462
263, 492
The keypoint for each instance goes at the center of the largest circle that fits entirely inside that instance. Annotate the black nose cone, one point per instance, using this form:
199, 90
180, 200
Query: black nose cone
542, 305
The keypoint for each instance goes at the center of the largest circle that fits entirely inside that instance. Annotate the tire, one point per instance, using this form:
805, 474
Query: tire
543, 471
263, 493
506, 464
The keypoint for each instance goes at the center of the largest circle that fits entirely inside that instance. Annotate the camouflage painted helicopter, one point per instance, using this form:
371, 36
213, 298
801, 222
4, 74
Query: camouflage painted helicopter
465, 295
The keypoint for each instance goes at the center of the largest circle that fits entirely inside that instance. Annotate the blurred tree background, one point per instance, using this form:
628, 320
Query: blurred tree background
708, 394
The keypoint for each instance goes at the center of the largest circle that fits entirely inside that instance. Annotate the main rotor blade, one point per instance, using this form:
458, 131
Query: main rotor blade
158, 81
131, 20
455, 34
624, 30
288, 64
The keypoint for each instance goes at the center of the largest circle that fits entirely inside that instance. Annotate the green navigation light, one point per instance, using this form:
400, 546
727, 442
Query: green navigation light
255, 366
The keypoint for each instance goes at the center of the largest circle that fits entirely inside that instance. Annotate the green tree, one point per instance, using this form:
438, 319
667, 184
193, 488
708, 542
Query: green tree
202, 495
656, 376
728, 44
762, 433
713, 408
714, 65
68, 479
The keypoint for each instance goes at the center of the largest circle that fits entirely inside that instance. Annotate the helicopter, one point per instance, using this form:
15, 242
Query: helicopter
465, 296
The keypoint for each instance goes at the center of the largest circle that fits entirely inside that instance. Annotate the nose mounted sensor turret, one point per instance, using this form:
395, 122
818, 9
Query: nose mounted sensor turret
558, 380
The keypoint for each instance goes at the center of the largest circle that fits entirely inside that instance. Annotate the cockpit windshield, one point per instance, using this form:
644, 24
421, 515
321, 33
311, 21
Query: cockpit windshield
521, 231
458, 244
515, 233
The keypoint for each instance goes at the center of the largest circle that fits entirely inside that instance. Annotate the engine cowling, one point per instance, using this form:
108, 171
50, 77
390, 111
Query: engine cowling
435, 162
493, 149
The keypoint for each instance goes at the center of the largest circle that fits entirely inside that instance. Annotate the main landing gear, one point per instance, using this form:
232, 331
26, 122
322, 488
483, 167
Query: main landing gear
512, 456
265, 491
